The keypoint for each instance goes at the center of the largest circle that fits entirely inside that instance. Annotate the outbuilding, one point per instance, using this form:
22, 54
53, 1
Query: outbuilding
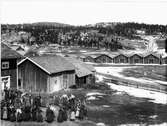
136, 59
152, 59
9, 59
103, 58
88, 59
45, 74
121, 58
85, 74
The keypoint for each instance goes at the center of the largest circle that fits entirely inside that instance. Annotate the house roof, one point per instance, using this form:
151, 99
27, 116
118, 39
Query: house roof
8, 53
81, 68
120, 54
154, 54
51, 64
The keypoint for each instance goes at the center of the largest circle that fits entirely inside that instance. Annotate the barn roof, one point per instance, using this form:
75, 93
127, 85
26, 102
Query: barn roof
51, 64
81, 68
154, 54
8, 53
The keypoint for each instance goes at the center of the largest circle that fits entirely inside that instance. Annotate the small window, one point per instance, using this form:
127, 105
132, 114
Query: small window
5, 65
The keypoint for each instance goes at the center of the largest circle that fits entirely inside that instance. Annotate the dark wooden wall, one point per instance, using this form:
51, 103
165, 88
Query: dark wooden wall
134, 57
103, 59
32, 77
12, 71
119, 57
147, 59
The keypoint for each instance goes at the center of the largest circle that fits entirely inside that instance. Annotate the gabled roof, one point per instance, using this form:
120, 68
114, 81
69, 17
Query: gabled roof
104, 55
154, 54
138, 54
120, 54
8, 53
81, 68
50, 64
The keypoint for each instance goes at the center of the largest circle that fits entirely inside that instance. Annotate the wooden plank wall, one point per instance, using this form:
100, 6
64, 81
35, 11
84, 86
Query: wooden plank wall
132, 59
32, 77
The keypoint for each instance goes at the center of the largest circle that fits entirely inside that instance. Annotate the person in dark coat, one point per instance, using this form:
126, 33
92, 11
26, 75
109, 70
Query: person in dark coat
12, 115
60, 116
8, 112
27, 113
49, 115
34, 113
39, 115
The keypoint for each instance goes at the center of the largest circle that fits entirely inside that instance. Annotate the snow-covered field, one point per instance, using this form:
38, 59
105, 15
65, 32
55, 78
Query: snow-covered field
155, 97
116, 71
163, 124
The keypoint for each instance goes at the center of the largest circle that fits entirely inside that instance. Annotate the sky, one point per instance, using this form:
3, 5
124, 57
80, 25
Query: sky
82, 12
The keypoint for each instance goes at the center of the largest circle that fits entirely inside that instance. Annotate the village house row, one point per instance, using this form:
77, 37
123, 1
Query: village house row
149, 58
47, 73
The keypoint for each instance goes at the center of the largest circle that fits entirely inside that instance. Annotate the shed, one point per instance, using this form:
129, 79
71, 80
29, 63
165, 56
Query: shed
103, 58
121, 58
152, 58
85, 74
136, 58
9, 59
88, 59
46, 74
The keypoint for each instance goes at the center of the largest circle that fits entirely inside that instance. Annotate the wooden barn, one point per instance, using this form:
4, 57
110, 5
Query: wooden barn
152, 59
136, 58
85, 74
121, 58
103, 59
45, 74
9, 59
88, 59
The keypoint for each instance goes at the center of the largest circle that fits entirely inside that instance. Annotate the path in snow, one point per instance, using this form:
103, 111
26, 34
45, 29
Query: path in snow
116, 71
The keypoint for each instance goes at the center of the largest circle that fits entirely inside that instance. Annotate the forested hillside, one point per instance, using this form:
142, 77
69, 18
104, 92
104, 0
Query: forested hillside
100, 35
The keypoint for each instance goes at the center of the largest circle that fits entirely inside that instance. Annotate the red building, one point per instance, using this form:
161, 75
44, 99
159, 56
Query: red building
9, 59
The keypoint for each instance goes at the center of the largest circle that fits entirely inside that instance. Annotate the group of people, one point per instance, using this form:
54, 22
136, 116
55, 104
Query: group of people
71, 108
17, 106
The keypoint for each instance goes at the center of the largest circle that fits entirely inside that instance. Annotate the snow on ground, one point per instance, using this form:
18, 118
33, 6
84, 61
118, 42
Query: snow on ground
155, 97
99, 77
93, 95
162, 124
116, 71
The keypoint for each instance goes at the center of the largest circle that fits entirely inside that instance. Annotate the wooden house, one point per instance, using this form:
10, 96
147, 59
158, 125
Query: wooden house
152, 59
121, 58
85, 74
136, 58
45, 74
88, 59
9, 59
103, 59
